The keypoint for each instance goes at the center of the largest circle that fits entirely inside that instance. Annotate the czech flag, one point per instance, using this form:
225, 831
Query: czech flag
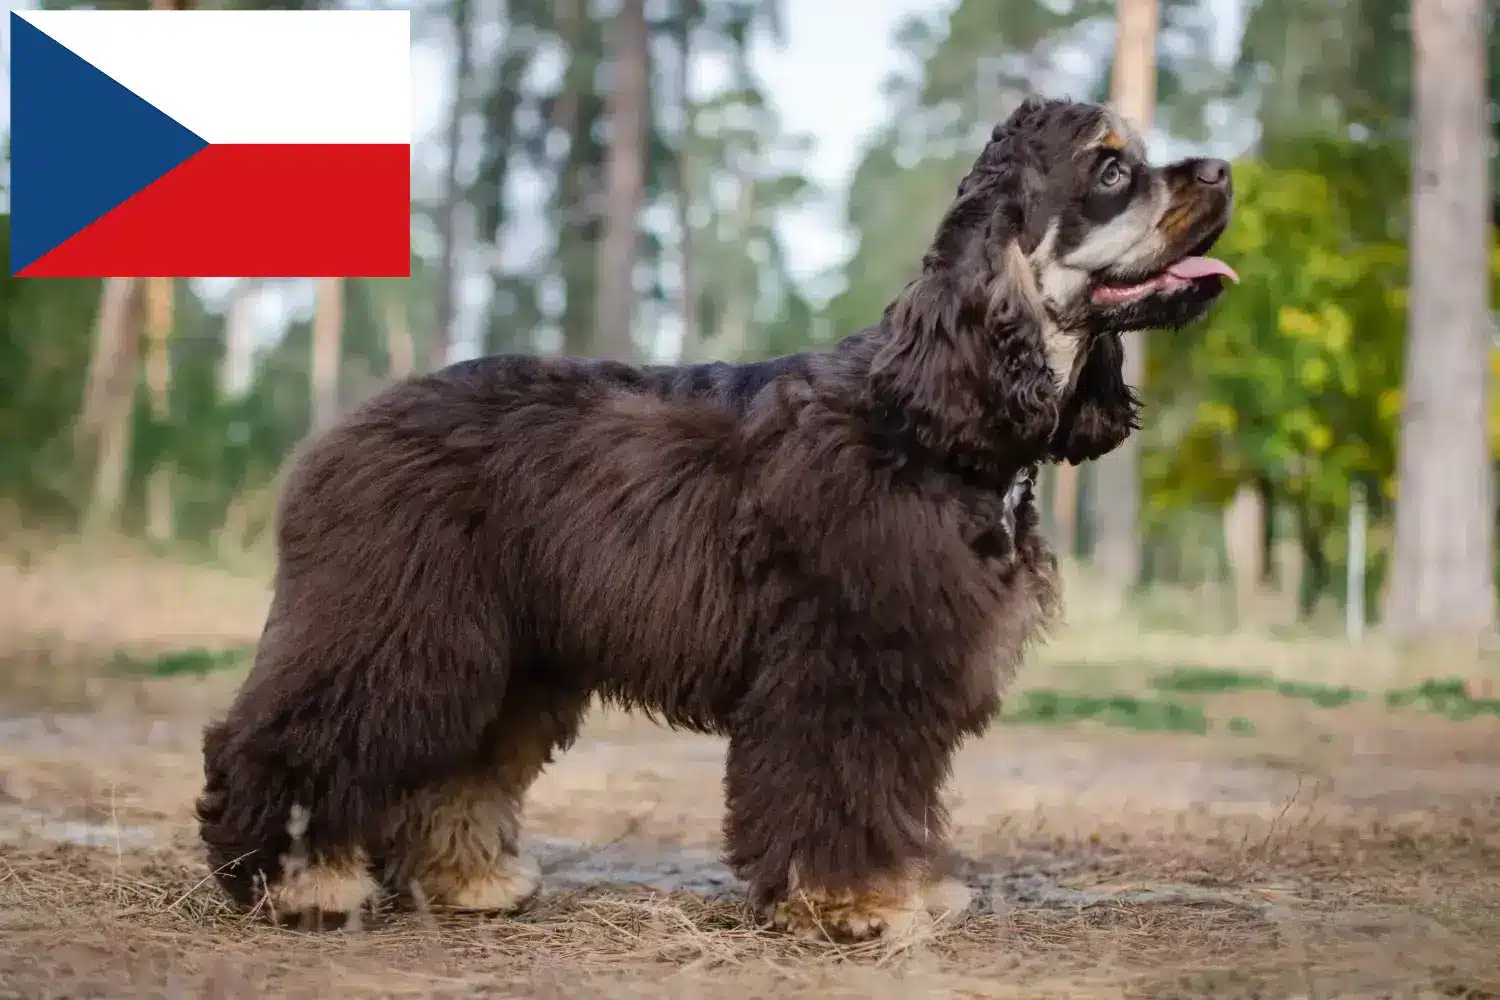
210, 143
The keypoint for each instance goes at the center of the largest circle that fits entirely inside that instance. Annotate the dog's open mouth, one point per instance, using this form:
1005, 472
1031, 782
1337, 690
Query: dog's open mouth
1180, 275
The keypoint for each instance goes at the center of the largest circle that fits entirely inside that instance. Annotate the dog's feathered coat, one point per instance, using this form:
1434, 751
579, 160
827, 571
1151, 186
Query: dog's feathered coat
813, 556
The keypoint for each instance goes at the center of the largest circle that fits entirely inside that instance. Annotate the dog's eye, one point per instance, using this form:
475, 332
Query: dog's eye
1113, 175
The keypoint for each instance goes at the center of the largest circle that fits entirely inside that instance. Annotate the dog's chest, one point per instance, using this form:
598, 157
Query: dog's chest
1020, 586
994, 522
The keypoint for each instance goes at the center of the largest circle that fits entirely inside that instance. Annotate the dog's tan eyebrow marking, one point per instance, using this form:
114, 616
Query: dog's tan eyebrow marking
1119, 136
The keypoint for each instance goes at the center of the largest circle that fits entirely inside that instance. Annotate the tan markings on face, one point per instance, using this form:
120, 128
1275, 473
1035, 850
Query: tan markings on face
1058, 286
1176, 221
1137, 237
1181, 209
1131, 239
1117, 133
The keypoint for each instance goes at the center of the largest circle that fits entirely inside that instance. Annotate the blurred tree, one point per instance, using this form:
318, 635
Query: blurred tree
1443, 573
624, 180
328, 322
745, 295
688, 21
1341, 70
1133, 92
463, 68
160, 323
577, 220
1292, 385
102, 431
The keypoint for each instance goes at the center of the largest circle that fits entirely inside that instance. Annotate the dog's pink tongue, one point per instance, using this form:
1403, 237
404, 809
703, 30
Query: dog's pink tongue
1191, 268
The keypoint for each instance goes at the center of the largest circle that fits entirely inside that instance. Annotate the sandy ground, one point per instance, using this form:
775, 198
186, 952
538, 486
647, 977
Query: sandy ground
1351, 852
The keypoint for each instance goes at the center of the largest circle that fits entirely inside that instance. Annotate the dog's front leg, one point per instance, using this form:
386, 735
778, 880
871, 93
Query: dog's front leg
834, 816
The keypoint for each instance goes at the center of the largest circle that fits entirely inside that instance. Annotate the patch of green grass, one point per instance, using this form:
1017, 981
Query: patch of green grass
1123, 711
1240, 726
181, 662
1445, 696
1210, 680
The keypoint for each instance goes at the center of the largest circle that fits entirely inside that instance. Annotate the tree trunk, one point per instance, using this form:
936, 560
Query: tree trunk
400, 345
160, 310
1443, 564
118, 301
1133, 91
442, 334
1265, 491
327, 334
625, 182
105, 424
1315, 572
1245, 547
576, 214
688, 296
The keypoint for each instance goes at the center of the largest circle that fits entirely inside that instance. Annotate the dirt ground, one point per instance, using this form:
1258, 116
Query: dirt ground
1325, 852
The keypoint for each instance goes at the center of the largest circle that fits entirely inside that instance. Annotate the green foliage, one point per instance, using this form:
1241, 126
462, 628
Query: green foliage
1295, 377
1239, 726
1120, 711
182, 662
1447, 697
1187, 691
1295, 380
1211, 680
1354, 56
46, 333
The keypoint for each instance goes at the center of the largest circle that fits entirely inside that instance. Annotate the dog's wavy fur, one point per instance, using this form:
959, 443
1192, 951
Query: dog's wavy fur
812, 556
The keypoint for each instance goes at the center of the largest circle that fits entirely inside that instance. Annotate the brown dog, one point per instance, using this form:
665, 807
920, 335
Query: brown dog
832, 559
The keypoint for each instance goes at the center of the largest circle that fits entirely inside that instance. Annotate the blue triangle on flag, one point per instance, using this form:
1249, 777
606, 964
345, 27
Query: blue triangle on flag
80, 143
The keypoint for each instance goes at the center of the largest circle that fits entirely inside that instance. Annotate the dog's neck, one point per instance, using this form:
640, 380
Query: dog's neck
843, 369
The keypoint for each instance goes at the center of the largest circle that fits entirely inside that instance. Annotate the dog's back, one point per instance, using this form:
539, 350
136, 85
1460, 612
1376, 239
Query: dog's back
733, 385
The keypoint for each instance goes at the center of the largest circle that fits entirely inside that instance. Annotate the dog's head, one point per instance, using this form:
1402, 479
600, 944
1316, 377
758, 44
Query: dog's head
1116, 244
1060, 239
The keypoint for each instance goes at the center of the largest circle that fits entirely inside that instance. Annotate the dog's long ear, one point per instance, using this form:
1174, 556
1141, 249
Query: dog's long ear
1102, 411
963, 364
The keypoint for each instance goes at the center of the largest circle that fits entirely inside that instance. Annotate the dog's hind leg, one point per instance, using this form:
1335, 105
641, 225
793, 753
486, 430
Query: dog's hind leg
344, 718
456, 844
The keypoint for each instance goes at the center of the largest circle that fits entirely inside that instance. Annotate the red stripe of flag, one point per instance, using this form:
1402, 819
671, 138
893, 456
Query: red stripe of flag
255, 211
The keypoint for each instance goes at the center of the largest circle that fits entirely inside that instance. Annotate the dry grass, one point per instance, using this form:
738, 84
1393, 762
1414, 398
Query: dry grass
1415, 918
1352, 852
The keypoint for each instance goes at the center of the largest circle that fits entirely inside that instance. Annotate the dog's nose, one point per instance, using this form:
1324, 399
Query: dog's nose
1214, 173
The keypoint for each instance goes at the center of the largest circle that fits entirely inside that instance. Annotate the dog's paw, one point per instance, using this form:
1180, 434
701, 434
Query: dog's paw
845, 917
321, 896
504, 889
